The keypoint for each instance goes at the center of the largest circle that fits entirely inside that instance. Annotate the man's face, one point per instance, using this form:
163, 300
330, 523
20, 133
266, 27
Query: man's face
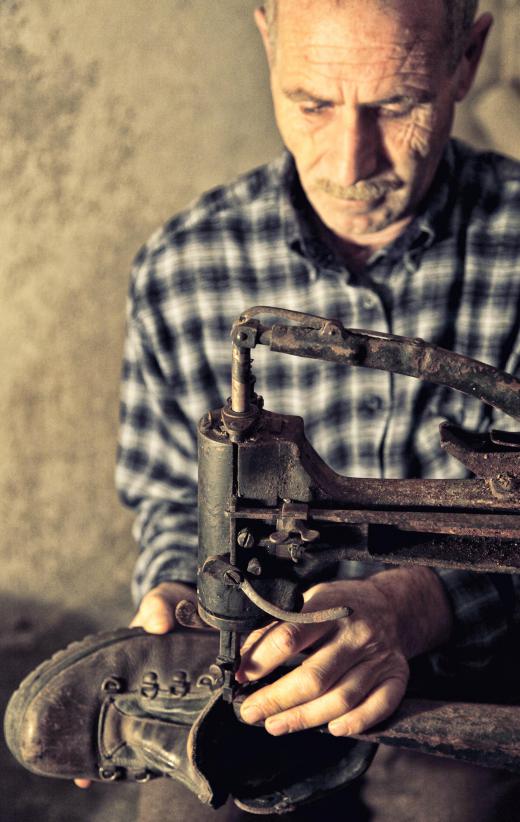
364, 102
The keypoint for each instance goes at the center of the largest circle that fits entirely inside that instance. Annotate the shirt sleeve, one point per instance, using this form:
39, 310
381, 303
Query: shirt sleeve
485, 611
156, 473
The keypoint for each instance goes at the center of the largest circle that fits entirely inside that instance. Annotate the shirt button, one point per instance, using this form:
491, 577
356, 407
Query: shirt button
372, 404
369, 302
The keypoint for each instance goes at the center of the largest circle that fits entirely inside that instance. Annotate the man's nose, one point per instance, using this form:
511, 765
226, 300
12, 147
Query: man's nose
357, 150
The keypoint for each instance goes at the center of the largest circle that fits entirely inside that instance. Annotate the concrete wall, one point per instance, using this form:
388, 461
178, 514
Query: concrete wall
114, 114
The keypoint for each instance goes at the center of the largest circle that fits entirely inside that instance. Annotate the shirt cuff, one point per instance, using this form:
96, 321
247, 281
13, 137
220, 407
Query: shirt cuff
165, 561
482, 606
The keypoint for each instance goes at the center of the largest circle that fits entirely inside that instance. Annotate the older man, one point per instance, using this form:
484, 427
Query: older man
374, 217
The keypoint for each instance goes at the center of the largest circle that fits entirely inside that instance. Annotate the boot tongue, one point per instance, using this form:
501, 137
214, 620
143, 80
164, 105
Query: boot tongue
144, 743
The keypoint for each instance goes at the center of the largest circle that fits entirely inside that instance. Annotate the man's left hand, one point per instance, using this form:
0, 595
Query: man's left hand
356, 670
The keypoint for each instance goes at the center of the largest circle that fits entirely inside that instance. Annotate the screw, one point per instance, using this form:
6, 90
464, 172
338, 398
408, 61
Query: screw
232, 577
245, 538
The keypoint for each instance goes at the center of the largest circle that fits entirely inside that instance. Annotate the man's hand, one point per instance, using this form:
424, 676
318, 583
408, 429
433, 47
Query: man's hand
356, 671
156, 614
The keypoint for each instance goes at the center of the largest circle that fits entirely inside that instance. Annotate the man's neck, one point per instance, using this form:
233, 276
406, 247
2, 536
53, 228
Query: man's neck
355, 252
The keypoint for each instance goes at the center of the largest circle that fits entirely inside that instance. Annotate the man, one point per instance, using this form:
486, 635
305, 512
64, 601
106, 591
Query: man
375, 218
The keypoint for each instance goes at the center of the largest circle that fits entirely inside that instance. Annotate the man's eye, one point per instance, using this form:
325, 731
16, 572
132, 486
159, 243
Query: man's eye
315, 108
394, 112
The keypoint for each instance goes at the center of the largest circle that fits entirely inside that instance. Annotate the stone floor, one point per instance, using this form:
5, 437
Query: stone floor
30, 633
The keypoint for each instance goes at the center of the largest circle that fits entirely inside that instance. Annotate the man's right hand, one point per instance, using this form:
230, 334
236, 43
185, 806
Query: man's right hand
156, 614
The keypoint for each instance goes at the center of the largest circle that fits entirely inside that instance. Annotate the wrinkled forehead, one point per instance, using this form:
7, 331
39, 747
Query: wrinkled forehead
369, 36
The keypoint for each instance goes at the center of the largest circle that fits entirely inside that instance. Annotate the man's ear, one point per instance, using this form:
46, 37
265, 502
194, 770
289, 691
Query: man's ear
470, 59
261, 24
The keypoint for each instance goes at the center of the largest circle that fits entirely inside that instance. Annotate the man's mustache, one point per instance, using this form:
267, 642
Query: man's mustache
364, 190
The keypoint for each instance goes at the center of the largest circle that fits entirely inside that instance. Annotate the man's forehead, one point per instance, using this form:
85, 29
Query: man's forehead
359, 35
361, 22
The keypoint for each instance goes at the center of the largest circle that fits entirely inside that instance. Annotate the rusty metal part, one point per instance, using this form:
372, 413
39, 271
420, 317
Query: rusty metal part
486, 455
303, 618
262, 485
227, 662
386, 352
293, 521
186, 615
482, 734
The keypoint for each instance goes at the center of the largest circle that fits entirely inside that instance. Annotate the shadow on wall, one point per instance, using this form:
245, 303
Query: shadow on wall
29, 633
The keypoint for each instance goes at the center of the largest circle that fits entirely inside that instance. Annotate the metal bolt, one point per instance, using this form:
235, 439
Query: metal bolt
254, 567
232, 577
245, 538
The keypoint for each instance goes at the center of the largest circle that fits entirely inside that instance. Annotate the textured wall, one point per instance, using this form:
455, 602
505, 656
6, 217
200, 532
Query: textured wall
113, 115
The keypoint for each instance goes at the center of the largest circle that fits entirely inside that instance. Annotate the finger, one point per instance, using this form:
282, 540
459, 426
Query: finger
277, 645
83, 783
342, 697
250, 641
255, 636
155, 614
378, 705
307, 682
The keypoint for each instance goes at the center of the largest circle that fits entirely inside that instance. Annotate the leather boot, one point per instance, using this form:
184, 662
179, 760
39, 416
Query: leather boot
130, 705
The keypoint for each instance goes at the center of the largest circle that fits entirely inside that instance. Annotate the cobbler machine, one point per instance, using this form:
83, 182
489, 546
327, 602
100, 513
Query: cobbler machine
275, 519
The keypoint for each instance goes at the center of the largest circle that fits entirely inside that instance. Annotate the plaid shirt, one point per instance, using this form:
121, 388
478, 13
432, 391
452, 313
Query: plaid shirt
452, 278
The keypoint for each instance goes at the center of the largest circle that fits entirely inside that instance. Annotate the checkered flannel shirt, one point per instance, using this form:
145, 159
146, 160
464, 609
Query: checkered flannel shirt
452, 278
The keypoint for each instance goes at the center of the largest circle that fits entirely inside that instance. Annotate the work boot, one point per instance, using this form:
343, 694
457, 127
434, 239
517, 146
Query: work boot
130, 705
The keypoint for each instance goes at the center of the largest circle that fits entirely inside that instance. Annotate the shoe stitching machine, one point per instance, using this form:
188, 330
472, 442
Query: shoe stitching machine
274, 518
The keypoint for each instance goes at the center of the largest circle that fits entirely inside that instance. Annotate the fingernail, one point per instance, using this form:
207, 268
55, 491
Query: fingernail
251, 713
276, 726
338, 728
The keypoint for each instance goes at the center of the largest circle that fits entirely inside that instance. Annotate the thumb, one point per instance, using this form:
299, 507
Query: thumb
155, 614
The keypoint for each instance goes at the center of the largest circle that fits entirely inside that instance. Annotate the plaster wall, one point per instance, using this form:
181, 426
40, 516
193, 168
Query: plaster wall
113, 116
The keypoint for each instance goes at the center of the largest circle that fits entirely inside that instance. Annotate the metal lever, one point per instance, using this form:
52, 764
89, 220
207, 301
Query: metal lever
323, 339
306, 618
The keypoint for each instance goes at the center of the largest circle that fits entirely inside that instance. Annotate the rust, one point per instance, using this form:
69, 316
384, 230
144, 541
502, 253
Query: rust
484, 734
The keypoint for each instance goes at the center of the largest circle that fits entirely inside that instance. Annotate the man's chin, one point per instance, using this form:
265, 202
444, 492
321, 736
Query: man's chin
360, 223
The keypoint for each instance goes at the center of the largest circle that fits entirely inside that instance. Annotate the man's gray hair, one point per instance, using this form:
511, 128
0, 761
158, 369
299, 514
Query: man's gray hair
460, 15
